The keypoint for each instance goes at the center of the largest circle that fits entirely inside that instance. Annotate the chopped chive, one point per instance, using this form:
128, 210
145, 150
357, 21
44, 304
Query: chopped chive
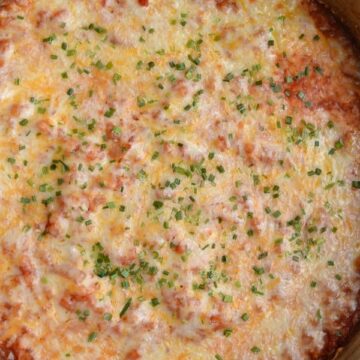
220, 169
356, 184
245, 317
23, 122
154, 302
158, 204
228, 77
255, 349
109, 113
288, 120
126, 307
107, 316
92, 336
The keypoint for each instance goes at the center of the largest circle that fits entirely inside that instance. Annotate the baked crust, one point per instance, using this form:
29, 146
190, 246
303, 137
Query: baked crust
331, 27
71, 266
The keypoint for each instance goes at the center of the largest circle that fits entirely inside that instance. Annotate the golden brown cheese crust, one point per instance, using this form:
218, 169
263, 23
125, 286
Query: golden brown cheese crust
188, 189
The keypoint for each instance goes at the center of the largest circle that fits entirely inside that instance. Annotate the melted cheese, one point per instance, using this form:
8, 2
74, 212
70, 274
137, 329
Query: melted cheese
177, 180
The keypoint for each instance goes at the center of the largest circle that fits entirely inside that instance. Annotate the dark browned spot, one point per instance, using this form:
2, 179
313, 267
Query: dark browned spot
357, 264
226, 4
143, 2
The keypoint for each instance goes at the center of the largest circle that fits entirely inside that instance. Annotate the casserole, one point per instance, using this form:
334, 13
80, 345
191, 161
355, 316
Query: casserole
179, 180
